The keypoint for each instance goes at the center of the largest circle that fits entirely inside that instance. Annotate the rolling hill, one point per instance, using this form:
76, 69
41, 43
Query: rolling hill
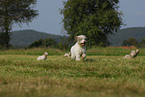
24, 38
136, 32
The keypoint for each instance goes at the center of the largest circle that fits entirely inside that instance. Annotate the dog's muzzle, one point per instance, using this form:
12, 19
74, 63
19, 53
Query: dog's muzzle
83, 44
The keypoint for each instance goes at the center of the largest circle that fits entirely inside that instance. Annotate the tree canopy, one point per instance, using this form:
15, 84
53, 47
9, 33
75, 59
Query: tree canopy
93, 18
48, 42
130, 42
15, 11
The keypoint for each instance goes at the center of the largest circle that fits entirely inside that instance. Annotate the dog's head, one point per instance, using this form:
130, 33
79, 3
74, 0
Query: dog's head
137, 50
81, 39
45, 53
133, 53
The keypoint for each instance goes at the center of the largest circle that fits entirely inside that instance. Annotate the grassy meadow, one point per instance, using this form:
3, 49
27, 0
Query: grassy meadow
104, 73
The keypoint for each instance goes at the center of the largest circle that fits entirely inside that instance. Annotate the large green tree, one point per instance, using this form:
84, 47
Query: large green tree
93, 18
15, 11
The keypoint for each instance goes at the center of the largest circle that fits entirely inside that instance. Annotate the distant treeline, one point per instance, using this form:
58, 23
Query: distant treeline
118, 38
51, 43
25, 38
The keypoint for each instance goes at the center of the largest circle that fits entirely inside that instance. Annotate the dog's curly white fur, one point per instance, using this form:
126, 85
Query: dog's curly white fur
78, 51
43, 57
133, 54
67, 55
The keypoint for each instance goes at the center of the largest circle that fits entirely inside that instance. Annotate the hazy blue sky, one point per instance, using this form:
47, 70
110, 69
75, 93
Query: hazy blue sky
49, 19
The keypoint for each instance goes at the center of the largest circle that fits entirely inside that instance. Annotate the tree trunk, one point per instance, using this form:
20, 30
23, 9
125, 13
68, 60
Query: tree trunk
6, 30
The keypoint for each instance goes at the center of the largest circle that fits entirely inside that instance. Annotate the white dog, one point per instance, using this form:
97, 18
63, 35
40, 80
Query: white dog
133, 54
67, 55
43, 57
79, 49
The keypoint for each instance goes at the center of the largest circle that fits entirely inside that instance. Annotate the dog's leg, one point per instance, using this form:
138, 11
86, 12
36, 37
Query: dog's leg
78, 57
72, 56
83, 56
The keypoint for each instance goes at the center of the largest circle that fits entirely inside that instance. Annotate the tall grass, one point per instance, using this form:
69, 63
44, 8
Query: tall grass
110, 51
33, 51
97, 76
90, 52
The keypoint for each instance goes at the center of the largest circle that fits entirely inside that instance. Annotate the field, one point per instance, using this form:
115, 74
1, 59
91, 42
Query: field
104, 73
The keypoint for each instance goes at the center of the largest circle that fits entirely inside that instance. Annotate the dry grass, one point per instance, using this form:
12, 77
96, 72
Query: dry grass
97, 76
33, 51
